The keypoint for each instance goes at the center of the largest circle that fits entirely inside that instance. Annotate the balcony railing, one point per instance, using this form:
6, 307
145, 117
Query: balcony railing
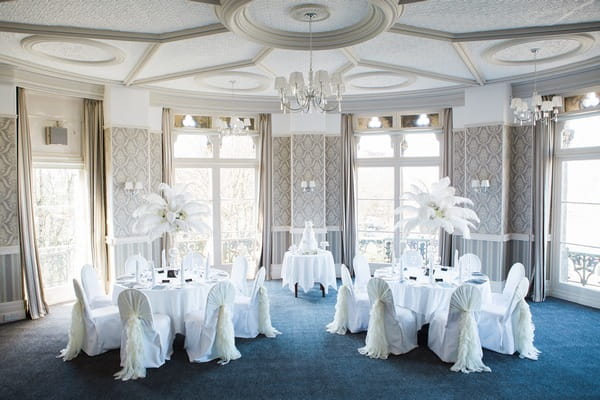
583, 267
56, 264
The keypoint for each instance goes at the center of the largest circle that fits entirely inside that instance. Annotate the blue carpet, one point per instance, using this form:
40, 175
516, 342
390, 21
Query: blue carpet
306, 362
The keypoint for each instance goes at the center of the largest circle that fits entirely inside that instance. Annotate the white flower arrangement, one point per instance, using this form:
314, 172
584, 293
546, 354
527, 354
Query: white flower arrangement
437, 208
175, 212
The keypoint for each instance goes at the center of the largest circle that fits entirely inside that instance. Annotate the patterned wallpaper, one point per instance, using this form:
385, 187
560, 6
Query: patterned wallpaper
282, 175
130, 162
308, 163
8, 182
155, 159
521, 170
458, 162
333, 168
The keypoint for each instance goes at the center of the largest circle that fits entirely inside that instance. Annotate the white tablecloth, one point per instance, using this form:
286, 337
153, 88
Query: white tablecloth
425, 298
173, 300
308, 269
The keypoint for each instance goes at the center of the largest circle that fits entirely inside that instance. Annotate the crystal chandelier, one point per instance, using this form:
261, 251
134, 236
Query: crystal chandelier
236, 126
296, 96
539, 108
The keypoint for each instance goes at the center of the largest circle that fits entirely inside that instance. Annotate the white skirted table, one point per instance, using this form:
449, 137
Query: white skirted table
305, 269
418, 294
173, 299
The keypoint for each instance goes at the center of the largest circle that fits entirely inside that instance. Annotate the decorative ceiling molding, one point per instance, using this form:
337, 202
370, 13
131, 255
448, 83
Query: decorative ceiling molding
585, 42
381, 16
144, 59
193, 72
466, 59
409, 79
261, 82
418, 72
113, 54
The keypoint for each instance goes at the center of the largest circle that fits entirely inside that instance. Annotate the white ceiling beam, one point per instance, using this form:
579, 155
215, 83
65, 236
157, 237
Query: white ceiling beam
351, 55
266, 70
410, 30
144, 59
258, 58
345, 68
208, 30
466, 59
193, 72
419, 72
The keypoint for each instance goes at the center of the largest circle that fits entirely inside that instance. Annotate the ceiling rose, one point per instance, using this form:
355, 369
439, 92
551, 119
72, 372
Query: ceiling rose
404, 78
559, 47
379, 16
246, 82
73, 50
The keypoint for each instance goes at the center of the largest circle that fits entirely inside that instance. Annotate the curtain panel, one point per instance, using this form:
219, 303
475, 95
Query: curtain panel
447, 166
348, 157
168, 173
93, 126
265, 205
33, 292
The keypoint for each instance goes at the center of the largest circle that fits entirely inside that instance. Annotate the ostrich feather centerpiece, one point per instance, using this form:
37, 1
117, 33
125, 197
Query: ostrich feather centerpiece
437, 208
173, 212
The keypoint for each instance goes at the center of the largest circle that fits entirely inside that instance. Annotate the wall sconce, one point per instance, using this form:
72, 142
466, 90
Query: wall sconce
308, 186
480, 186
133, 188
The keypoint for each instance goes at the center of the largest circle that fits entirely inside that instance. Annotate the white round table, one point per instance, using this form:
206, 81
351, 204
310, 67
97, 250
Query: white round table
305, 269
426, 298
173, 299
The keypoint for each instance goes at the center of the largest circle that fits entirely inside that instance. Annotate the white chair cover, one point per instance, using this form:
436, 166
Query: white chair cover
516, 273
193, 259
469, 263
94, 331
362, 272
391, 329
239, 271
411, 258
147, 338
252, 315
453, 335
134, 261
351, 308
95, 295
507, 327
209, 334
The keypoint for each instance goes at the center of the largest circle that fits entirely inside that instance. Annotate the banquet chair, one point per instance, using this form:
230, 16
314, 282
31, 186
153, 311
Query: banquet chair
453, 334
94, 331
516, 273
209, 333
239, 271
193, 259
362, 272
251, 314
411, 258
351, 308
134, 261
469, 263
392, 329
146, 338
507, 327
95, 295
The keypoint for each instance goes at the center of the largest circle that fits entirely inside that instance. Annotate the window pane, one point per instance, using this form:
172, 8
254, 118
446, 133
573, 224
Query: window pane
376, 246
580, 224
192, 146
580, 132
581, 181
380, 122
192, 121
375, 146
420, 145
238, 146
420, 120
375, 183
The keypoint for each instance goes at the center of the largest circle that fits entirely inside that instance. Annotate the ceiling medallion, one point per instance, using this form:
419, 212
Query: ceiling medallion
73, 48
409, 79
583, 43
381, 15
251, 82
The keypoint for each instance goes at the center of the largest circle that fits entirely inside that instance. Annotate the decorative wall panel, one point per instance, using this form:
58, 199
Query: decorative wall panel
458, 178
155, 159
281, 242
491, 253
10, 278
282, 175
333, 167
150, 251
8, 183
308, 163
521, 176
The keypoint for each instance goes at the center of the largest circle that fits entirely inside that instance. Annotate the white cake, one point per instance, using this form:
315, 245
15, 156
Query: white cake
308, 243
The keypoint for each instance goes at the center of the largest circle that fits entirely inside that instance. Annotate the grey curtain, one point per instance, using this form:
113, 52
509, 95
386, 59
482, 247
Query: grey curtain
543, 152
35, 303
265, 210
168, 173
445, 237
93, 125
348, 158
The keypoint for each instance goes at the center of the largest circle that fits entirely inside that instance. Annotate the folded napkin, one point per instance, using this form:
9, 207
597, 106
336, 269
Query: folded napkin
476, 281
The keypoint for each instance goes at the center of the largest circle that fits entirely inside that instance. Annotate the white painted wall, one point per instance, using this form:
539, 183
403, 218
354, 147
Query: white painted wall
155, 118
319, 123
8, 98
126, 107
484, 105
44, 110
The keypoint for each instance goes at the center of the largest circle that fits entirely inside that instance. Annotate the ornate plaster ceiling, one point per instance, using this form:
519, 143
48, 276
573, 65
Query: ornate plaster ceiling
380, 47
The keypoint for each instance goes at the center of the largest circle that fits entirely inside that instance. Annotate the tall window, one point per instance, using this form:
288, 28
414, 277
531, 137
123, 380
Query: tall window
390, 160
223, 171
61, 229
577, 243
